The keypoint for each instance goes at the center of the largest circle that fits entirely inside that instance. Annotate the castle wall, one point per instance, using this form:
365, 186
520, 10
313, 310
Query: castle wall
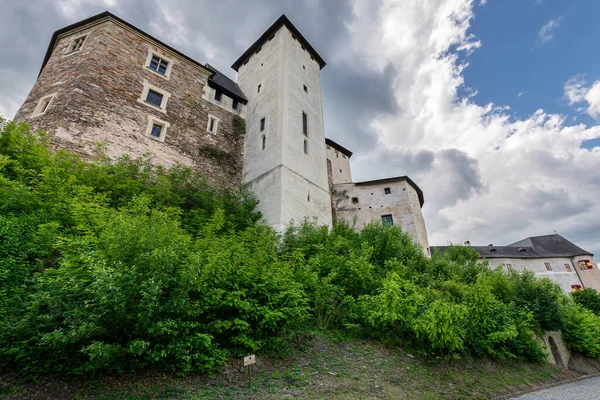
372, 203
340, 166
97, 92
559, 273
589, 277
282, 68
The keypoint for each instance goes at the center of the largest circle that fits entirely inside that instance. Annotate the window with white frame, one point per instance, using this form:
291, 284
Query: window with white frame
76, 44
157, 129
154, 97
43, 104
213, 124
158, 63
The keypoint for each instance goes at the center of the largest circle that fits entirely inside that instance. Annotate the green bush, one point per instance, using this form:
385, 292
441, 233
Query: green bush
581, 330
116, 266
588, 298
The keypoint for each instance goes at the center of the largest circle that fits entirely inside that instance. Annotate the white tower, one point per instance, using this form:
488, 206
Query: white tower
284, 152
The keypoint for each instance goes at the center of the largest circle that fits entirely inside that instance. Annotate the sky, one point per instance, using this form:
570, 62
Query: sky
491, 107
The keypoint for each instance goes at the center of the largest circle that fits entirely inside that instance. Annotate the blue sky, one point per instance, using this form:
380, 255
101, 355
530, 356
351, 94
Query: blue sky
513, 59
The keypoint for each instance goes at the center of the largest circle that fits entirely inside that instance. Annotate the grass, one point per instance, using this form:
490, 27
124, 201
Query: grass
326, 369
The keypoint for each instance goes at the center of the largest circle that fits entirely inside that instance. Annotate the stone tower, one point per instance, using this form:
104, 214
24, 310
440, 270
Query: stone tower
284, 150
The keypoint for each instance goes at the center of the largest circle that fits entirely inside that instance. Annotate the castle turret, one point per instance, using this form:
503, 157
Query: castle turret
284, 151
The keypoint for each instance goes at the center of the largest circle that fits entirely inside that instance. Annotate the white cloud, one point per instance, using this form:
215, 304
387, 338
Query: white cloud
577, 92
546, 33
489, 177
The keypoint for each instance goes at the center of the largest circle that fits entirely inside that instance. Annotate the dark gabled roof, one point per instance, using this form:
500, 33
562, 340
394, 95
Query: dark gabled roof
548, 246
552, 245
283, 20
338, 147
218, 80
396, 179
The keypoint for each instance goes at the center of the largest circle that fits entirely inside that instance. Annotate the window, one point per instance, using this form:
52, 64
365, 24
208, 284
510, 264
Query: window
337, 154
158, 63
258, 89
387, 191
355, 200
235, 104
509, 267
305, 123
218, 95
548, 266
575, 287
387, 220
262, 124
154, 97
568, 268
213, 124
264, 142
305, 89
76, 44
42, 105
585, 264
156, 129
306, 147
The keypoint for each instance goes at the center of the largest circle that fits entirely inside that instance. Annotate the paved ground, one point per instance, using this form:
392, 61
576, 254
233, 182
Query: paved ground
586, 389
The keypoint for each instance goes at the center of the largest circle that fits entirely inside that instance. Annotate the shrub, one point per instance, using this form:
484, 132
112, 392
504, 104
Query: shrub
588, 298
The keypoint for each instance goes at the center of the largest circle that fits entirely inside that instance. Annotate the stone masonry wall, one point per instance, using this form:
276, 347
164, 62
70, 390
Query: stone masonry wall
97, 101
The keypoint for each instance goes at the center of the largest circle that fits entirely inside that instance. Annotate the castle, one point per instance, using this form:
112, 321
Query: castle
106, 81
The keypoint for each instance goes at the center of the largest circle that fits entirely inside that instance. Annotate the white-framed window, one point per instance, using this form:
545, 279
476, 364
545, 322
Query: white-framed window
154, 97
42, 105
158, 63
76, 44
213, 124
157, 128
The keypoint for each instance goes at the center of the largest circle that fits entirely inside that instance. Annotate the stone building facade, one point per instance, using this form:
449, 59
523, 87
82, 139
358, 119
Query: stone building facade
394, 201
105, 84
93, 90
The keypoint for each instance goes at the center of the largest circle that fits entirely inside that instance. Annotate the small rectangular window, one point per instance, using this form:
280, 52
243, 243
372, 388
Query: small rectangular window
305, 89
575, 287
258, 88
235, 104
548, 266
568, 268
355, 200
306, 147
264, 142
76, 44
156, 129
387, 220
43, 105
262, 124
585, 264
213, 124
158, 64
387, 191
305, 123
218, 95
154, 98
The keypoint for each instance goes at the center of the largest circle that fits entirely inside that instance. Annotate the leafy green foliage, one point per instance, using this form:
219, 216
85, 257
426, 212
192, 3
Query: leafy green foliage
588, 298
112, 267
